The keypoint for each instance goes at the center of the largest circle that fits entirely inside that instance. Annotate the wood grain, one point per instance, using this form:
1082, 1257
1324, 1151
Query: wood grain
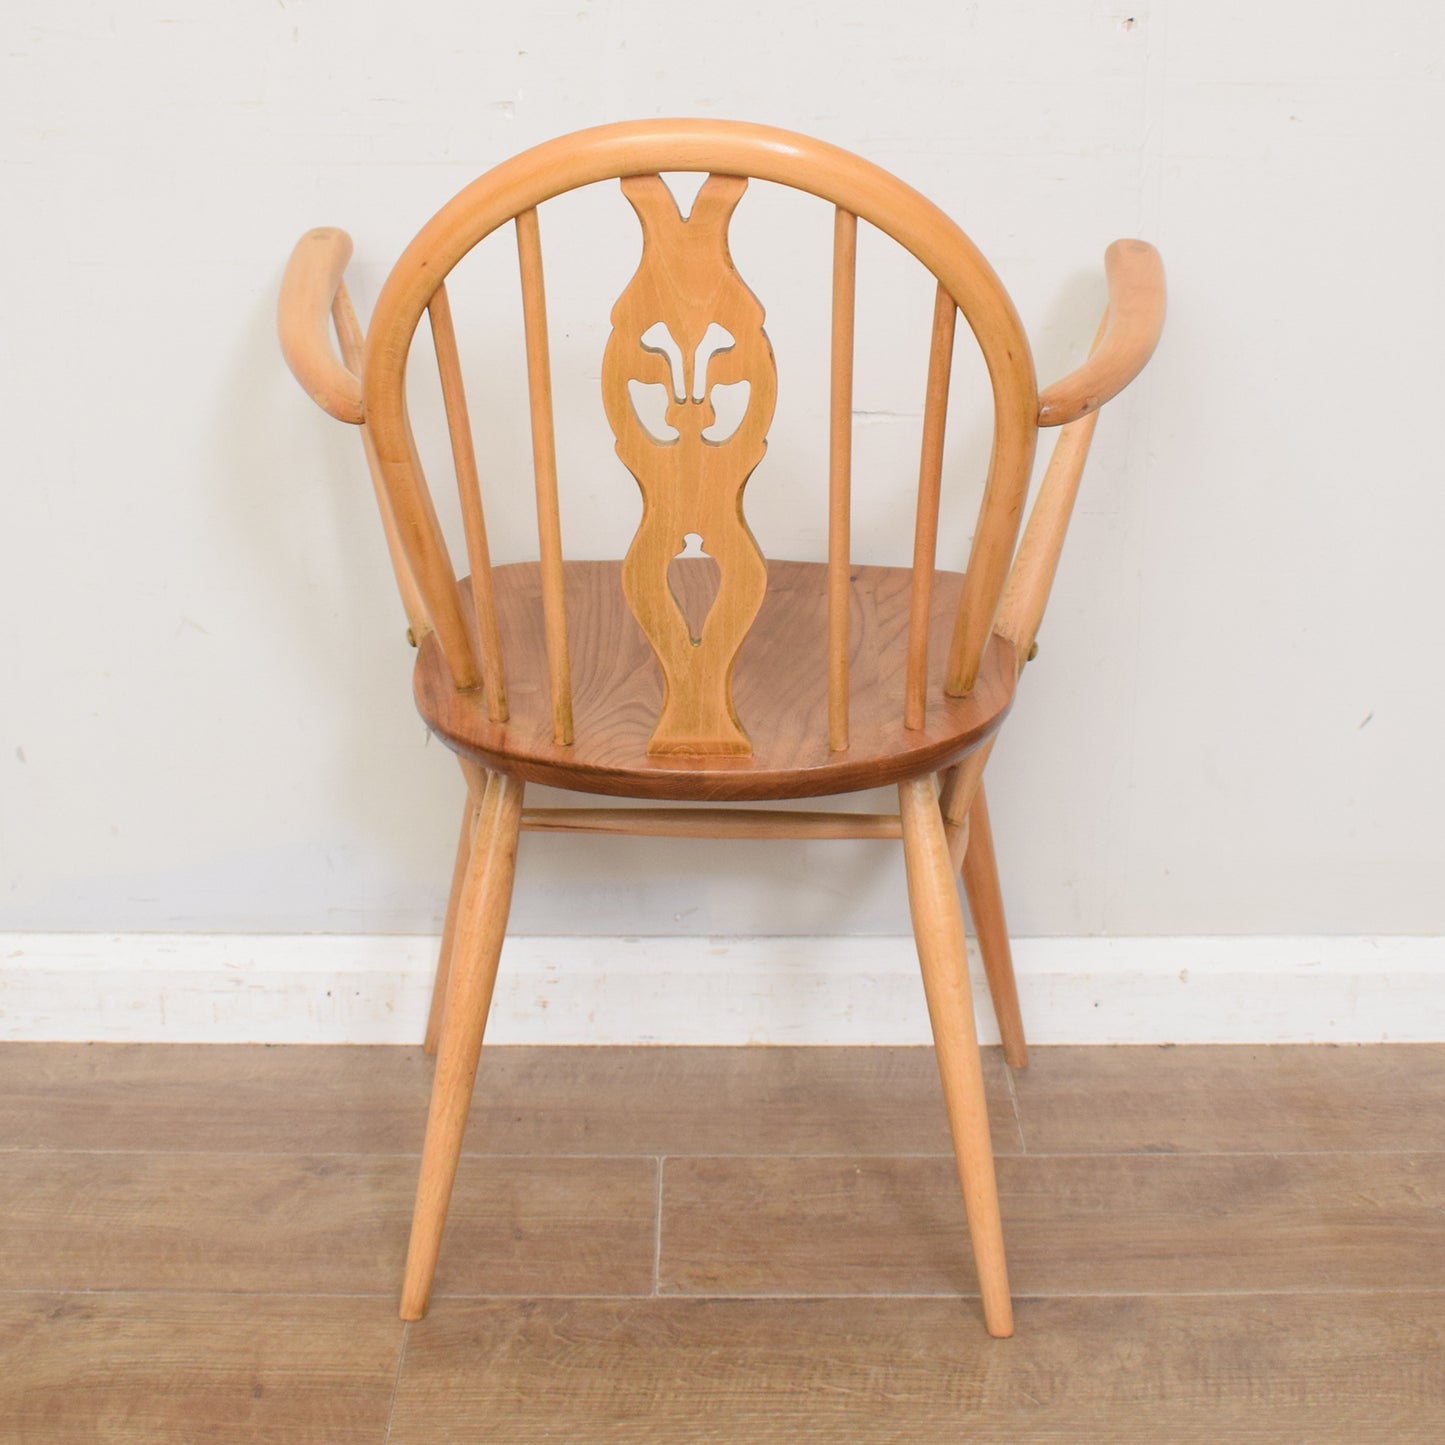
1135, 319
943, 961
238, 1369
711, 823
726, 149
1342, 1098
840, 471
437, 1012
692, 484
353, 352
482, 909
303, 321
322, 1224
469, 490
985, 905
219, 1098
309, 1100
1191, 1297
544, 468
925, 522
1031, 577
1073, 1224
1103, 1371
780, 687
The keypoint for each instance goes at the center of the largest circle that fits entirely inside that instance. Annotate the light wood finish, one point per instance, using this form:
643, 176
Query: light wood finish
970, 849
925, 525
702, 673
1136, 317
1032, 577
481, 922
840, 471
437, 1010
985, 905
960, 786
938, 928
711, 823
780, 686
353, 350
544, 466
722, 149
303, 319
469, 487
692, 484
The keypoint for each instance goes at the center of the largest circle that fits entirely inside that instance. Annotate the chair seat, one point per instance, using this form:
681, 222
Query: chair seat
780, 690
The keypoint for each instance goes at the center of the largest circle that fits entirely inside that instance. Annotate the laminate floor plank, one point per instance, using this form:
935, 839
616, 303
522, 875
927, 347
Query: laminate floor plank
1235, 1097
325, 1224
1205, 1244
1189, 1370
527, 1100
221, 1097
1131, 1223
145, 1369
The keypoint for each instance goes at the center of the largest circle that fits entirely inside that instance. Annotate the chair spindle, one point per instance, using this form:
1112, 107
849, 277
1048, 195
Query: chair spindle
544, 463
925, 529
840, 473
469, 487
353, 352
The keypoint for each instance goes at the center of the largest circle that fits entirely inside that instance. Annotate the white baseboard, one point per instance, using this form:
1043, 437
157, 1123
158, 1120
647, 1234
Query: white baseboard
310, 988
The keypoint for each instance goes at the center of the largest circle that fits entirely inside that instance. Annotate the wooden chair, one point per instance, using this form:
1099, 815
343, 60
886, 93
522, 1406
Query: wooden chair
668, 680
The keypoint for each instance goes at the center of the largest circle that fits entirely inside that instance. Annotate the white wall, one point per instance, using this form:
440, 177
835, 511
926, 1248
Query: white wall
1234, 725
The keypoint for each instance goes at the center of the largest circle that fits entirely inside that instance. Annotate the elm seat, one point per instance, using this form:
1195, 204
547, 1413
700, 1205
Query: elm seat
668, 678
780, 686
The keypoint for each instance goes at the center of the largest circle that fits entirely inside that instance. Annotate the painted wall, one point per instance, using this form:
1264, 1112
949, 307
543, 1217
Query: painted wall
1234, 723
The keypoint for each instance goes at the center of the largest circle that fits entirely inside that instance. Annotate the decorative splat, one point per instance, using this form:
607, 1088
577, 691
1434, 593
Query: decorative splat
688, 327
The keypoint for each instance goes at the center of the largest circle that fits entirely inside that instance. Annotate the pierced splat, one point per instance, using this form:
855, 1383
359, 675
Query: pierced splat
687, 341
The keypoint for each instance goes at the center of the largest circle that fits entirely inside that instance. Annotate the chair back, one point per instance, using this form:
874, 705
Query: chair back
688, 321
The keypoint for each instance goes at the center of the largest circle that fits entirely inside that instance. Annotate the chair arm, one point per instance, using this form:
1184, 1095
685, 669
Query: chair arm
303, 319
1131, 332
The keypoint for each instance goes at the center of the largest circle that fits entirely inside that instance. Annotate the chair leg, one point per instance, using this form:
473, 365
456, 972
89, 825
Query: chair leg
449, 928
486, 897
938, 930
985, 903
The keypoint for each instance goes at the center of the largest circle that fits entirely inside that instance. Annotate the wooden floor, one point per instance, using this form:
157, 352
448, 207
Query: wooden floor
1206, 1244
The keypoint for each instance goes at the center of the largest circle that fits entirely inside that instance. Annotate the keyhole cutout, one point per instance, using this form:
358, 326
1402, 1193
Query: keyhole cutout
694, 578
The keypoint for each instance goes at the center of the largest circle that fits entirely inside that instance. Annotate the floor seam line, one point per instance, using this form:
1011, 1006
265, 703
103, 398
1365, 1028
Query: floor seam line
1013, 1094
396, 1381
657, 1232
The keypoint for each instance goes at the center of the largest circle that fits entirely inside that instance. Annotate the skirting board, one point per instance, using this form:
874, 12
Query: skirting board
312, 988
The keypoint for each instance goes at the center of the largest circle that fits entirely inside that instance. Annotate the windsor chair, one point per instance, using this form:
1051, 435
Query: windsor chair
661, 680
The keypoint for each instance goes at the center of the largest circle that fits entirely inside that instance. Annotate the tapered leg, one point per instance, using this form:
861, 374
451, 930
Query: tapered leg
965, 818
938, 930
486, 897
985, 903
449, 928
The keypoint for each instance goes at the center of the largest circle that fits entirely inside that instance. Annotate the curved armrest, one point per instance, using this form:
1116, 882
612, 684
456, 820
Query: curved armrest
303, 319
1131, 332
